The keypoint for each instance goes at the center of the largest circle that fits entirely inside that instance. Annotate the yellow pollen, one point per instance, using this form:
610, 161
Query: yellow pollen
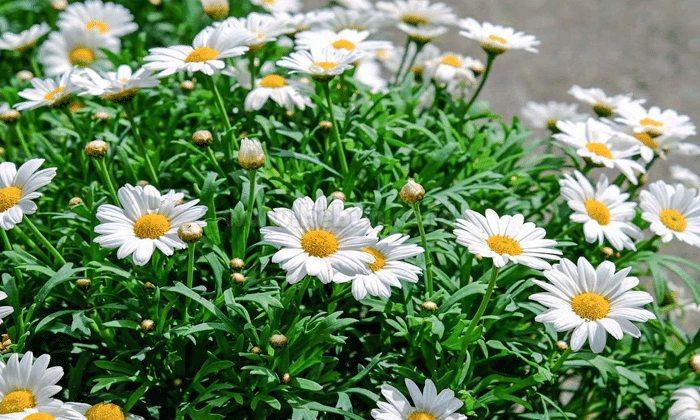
383, 54
501, 244
343, 44
421, 415
151, 226
16, 401
649, 121
81, 56
269, 1
40, 416
379, 259
102, 411
673, 220
52, 95
123, 80
646, 139
590, 306
498, 39
325, 65
9, 197
597, 211
451, 60
201, 54
319, 243
599, 149
273, 81
101, 26
414, 20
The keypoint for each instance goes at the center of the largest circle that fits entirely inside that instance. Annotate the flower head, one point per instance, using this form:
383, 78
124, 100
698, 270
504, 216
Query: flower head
25, 40
603, 105
685, 176
345, 40
321, 64
418, 12
497, 39
102, 411
76, 47
216, 9
54, 93
251, 155
284, 92
53, 411
28, 383
5, 310
686, 405
18, 187
107, 19
277, 6
427, 405
260, 29
547, 115
655, 122
119, 87
674, 212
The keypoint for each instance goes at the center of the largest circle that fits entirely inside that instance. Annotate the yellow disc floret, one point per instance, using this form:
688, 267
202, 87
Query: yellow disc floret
647, 139
325, 65
50, 96
40, 416
379, 259
590, 306
599, 149
414, 20
319, 243
501, 245
673, 220
9, 197
343, 44
102, 411
597, 211
17, 401
421, 415
101, 26
81, 56
151, 226
451, 60
273, 81
201, 54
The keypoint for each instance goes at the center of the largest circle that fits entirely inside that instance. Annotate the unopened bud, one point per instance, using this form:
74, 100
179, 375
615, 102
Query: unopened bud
216, 9
337, 195
695, 363
429, 306
326, 125
59, 5
142, 183
256, 350
412, 192
237, 263
5, 343
177, 382
238, 278
286, 378
83, 284
278, 341
75, 201
190, 232
607, 251
251, 155
147, 325
187, 85
202, 138
11, 116
96, 149
149, 285
561, 345
155, 2
25, 75
101, 116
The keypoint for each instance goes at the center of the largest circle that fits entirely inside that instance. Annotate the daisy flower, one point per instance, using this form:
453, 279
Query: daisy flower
369, 72
347, 40
591, 301
54, 93
25, 40
686, 405
603, 105
299, 22
276, 6
107, 19
450, 68
5, 310
76, 47
321, 64
18, 187
427, 405
427, 55
206, 54
361, 20
286, 93
216, 9
549, 114
387, 268
601, 145
27, 384
146, 221
604, 211
497, 39
672, 212
418, 12
422, 34
261, 29
102, 411
655, 122
320, 240
504, 239
685, 176
119, 87
53, 411
356, 4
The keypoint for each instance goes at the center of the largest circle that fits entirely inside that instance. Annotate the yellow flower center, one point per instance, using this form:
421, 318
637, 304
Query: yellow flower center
414, 20
598, 211
343, 44
16, 401
673, 220
102, 411
501, 244
498, 39
201, 54
421, 415
273, 81
40, 416
552, 124
319, 243
590, 306
383, 54
101, 26
81, 56
656, 126
269, 1
451, 60
379, 259
325, 65
151, 226
599, 149
9, 197
602, 110
50, 96
646, 139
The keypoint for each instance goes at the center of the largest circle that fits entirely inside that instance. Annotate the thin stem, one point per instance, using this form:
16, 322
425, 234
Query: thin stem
8, 247
489, 62
35, 67
336, 133
249, 209
139, 142
190, 277
561, 360
252, 69
222, 109
102, 169
643, 247
403, 60
78, 128
541, 207
22, 142
428, 260
419, 46
212, 157
45, 241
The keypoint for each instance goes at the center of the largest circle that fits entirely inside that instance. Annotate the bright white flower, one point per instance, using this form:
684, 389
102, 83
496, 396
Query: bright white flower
504, 239
387, 268
102, 411
591, 301
603, 105
260, 29
686, 405
4, 310
604, 211
685, 176
107, 19
497, 39
427, 405
427, 55
54, 93
302, 21
418, 12
422, 33
119, 86
28, 384
361, 20
655, 122
216, 9
451, 68
650, 146
320, 63
672, 212
549, 114
601, 145
76, 47
347, 40
356, 4
684, 306
146, 221
320, 240
18, 187
56, 411
369, 72
284, 92
25, 40
276, 6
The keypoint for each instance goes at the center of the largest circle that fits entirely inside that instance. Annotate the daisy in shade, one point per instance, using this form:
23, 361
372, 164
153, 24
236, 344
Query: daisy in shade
276, 6
108, 19
591, 301
601, 145
25, 40
5, 310
18, 187
321, 64
216, 9
603, 210
387, 269
76, 47
347, 40
422, 34
54, 93
284, 92
119, 87
603, 105
685, 176
655, 122
549, 114
146, 221
261, 29
360, 20
102, 411
686, 405
504, 239
674, 212
26, 384
497, 39
320, 239
418, 12
53, 411
427, 405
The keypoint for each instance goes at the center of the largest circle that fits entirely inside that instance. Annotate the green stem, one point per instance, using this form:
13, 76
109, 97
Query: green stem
222, 110
489, 62
249, 209
419, 46
642, 247
252, 69
215, 162
561, 360
76, 126
139, 142
22, 142
403, 61
102, 169
428, 260
190, 277
542, 206
336, 133
45, 241
35, 67
8, 247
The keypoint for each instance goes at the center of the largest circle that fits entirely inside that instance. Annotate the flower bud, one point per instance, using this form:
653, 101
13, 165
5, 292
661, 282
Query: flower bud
237, 263
561, 345
251, 155
10, 116
190, 232
256, 350
177, 382
147, 325
142, 183
202, 138
412, 192
429, 306
187, 85
327, 125
83, 284
278, 341
149, 285
286, 378
155, 2
5, 343
100, 116
338, 195
216, 9
238, 278
75, 201
96, 149
695, 363
607, 251
24, 75
59, 5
